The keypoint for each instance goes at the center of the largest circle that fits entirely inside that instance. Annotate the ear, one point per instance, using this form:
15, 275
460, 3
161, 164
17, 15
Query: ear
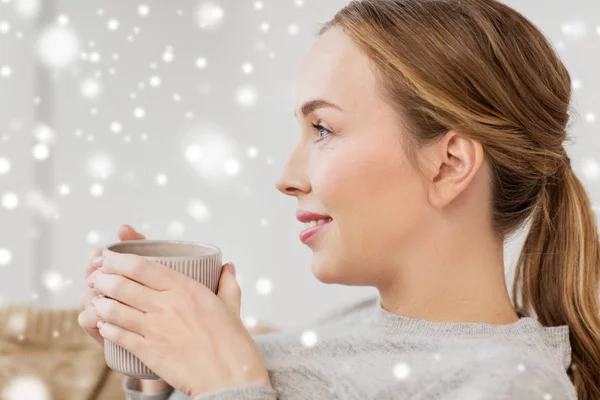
456, 159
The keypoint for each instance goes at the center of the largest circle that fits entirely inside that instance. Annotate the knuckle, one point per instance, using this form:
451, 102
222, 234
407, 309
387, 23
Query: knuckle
99, 283
117, 285
91, 275
111, 309
93, 316
86, 297
197, 297
103, 284
137, 267
133, 343
99, 310
87, 319
119, 337
174, 302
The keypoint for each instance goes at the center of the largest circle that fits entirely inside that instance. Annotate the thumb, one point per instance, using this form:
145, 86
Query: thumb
126, 232
229, 290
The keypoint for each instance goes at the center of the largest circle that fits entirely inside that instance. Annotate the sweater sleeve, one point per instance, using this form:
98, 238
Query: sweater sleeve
243, 392
131, 389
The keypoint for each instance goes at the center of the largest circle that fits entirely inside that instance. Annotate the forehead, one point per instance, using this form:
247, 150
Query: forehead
336, 70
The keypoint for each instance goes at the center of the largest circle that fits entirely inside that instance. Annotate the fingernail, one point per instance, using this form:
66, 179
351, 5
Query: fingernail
98, 262
100, 324
90, 282
94, 299
231, 268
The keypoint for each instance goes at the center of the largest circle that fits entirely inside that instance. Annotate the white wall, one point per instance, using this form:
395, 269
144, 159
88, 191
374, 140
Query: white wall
52, 265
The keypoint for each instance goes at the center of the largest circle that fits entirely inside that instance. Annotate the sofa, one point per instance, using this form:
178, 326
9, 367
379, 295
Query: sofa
46, 355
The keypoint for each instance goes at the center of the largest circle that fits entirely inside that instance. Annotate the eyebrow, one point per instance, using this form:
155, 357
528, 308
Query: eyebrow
312, 105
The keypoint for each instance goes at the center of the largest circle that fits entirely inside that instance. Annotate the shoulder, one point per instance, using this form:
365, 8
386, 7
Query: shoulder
506, 369
496, 369
522, 372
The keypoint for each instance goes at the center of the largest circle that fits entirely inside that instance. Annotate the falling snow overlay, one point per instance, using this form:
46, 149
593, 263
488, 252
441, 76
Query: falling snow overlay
176, 118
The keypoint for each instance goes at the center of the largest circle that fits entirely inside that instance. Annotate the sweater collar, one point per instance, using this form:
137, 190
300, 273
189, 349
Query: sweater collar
555, 337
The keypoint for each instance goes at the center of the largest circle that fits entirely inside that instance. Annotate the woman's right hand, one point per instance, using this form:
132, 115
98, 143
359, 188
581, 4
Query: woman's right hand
87, 318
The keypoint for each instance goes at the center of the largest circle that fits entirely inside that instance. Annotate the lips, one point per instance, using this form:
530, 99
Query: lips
307, 216
309, 233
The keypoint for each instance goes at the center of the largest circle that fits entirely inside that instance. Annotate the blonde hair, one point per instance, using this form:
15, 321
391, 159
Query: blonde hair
481, 68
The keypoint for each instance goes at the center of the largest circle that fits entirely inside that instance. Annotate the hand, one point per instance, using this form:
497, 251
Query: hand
88, 319
190, 337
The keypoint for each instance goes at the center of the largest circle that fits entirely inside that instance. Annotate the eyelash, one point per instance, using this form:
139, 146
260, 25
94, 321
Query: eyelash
319, 127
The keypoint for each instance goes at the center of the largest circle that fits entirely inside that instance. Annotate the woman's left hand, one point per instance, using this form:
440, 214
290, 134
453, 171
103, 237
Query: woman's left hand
190, 337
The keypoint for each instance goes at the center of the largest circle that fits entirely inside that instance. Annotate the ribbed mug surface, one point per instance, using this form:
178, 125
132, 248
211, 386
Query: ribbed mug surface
199, 261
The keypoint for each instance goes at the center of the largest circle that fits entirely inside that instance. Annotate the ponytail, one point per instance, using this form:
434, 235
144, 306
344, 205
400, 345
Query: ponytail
484, 70
559, 272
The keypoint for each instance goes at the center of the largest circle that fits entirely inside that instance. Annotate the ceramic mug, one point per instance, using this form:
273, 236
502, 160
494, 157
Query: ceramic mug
199, 261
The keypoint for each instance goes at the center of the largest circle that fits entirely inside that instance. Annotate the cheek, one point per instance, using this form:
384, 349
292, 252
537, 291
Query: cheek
365, 182
373, 194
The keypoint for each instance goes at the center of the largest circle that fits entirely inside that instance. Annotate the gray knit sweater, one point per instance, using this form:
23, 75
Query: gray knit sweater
363, 351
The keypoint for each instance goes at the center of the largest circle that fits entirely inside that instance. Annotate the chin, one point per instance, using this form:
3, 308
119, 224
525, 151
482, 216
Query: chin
331, 272
324, 271
340, 272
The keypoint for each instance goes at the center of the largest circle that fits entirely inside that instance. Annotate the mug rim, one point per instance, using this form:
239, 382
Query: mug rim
215, 249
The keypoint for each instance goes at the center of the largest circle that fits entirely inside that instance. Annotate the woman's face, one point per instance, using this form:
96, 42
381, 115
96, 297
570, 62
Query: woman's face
357, 173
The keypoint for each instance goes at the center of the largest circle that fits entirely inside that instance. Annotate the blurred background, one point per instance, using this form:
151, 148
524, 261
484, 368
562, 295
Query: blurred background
176, 117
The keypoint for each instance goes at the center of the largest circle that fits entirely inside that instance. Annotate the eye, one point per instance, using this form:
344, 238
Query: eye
320, 129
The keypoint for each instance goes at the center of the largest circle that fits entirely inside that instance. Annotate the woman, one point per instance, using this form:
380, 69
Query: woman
431, 130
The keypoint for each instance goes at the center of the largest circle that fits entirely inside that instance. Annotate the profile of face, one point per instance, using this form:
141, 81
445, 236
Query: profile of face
352, 167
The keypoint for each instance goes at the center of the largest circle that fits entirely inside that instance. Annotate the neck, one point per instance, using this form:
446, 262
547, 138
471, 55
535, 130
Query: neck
450, 282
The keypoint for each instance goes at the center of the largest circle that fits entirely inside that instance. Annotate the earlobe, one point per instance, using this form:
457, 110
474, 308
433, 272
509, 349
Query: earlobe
436, 193
457, 159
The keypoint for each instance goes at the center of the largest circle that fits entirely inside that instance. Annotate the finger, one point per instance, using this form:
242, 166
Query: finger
88, 318
126, 291
86, 296
88, 291
131, 341
151, 274
90, 279
118, 314
229, 290
126, 232
89, 267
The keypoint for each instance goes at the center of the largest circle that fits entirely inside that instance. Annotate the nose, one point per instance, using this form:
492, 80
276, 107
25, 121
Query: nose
289, 185
293, 180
